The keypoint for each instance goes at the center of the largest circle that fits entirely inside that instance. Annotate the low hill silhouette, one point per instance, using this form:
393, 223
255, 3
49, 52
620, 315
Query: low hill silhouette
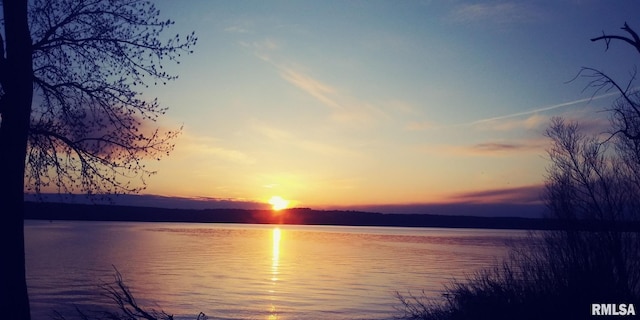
302, 216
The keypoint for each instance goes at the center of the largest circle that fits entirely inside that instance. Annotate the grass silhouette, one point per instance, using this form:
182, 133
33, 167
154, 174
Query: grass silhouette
557, 275
126, 306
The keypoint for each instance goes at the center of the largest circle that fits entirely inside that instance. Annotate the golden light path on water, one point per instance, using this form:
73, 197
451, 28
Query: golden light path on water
275, 259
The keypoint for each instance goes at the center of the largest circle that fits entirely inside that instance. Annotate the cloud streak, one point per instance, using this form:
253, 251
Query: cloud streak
521, 195
491, 148
344, 109
542, 109
311, 86
499, 12
208, 146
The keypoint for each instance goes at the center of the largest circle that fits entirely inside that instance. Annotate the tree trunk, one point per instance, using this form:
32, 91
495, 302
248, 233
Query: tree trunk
17, 84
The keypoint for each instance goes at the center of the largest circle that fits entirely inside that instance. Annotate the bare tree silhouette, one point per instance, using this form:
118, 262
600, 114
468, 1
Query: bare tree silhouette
589, 180
593, 188
597, 178
73, 118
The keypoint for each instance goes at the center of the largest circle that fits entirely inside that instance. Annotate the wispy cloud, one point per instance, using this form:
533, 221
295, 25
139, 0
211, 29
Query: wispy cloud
521, 194
313, 87
502, 148
547, 108
263, 49
205, 146
497, 148
237, 29
535, 119
496, 12
532, 122
494, 147
344, 109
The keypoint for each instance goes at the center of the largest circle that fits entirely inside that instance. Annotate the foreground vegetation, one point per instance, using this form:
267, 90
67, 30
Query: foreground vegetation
126, 306
547, 280
593, 176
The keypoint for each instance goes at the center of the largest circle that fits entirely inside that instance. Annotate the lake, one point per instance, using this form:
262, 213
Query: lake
239, 271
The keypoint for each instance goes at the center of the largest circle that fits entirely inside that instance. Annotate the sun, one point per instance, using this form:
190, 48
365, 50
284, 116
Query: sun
278, 203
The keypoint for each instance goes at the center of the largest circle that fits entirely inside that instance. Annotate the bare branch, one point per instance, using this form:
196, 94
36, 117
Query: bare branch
633, 41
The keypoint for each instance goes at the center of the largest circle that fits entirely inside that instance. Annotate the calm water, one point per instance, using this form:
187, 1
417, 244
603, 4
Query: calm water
250, 271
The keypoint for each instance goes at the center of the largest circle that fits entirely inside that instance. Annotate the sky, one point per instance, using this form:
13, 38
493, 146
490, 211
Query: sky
362, 104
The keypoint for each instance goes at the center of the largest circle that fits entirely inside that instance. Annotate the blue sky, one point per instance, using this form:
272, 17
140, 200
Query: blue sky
360, 103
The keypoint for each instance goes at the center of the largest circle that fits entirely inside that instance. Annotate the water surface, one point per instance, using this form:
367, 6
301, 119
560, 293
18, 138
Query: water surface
233, 271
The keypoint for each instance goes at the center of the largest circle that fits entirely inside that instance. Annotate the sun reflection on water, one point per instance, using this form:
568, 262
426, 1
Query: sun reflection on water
275, 258
275, 262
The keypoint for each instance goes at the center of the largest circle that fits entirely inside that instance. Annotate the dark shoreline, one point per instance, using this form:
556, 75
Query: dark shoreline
300, 216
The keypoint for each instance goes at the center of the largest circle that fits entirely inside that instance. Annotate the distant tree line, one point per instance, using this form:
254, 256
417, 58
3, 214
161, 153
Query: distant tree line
93, 212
